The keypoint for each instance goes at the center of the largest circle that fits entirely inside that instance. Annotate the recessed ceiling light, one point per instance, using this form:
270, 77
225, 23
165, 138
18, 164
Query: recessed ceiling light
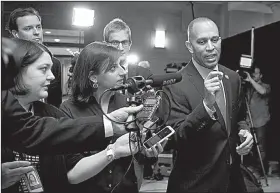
48, 32
57, 40
68, 49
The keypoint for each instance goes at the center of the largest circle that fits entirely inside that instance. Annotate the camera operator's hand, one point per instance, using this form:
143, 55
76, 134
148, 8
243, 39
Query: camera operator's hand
212, 84
248, 77
122, 115
121, 147
12, 172
247, 142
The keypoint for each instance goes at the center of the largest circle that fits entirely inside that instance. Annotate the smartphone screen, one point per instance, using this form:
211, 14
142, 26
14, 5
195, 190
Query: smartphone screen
159, 137
150, 106
150, 101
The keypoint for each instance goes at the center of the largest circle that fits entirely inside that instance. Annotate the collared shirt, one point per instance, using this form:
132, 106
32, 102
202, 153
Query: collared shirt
259, 105
108, 127
204, 72
113, 173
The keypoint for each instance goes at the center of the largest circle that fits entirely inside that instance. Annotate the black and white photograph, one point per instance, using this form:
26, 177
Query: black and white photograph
140, 96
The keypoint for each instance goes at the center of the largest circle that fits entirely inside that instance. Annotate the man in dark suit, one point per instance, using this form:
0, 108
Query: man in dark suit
204, 113
26, 24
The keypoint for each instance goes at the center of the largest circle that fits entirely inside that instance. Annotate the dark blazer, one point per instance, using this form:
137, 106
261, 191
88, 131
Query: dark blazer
40, 109
55, 88
57, 172
30, 134
203, 145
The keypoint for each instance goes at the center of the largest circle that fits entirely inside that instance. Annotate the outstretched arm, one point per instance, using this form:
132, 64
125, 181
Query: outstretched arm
24, 132
90, 166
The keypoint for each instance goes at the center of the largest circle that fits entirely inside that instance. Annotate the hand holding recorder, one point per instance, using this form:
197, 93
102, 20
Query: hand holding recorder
12, 172
122, 114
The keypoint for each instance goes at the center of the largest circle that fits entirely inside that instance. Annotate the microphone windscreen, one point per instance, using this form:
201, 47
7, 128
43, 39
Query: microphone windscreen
165, 79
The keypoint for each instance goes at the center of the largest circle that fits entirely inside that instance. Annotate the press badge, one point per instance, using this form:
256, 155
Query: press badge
32, 181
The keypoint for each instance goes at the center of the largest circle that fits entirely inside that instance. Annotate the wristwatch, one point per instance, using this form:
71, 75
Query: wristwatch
110, 153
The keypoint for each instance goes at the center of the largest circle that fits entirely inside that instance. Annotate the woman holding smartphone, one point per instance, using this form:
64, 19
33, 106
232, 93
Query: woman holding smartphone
98, 68
31, 86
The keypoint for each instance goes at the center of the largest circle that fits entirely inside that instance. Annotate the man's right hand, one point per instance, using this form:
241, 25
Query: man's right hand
212, 84
12, 172
122, 115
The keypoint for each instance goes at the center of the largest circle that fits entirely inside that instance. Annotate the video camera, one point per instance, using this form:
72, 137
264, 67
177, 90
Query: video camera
136, 83
245, 64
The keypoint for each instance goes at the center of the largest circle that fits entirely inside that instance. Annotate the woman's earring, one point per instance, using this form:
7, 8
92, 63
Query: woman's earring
95, 84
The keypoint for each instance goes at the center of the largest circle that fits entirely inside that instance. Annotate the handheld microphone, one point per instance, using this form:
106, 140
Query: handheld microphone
135, 83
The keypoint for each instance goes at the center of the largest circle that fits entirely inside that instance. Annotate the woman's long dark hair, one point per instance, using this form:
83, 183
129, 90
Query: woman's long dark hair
96, 57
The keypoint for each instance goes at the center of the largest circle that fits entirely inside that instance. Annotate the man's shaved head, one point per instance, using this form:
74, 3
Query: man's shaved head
195, 21
204, 42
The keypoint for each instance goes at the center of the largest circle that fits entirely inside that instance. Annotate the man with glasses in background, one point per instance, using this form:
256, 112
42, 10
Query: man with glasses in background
118, 34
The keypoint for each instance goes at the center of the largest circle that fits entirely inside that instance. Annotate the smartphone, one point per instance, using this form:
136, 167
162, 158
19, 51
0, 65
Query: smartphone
159, 137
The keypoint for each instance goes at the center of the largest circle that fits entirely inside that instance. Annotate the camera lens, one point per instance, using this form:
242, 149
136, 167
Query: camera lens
242, 74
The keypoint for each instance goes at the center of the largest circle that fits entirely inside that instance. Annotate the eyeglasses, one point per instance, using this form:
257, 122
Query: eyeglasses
124, 43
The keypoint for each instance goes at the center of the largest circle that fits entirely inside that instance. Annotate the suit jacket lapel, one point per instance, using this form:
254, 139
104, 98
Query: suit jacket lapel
228, 95
198, 82
195, 78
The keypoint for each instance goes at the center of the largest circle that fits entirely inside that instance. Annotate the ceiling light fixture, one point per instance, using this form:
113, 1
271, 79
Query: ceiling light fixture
83, 17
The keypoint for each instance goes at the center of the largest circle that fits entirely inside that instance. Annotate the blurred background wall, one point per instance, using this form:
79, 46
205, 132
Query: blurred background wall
144, 18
